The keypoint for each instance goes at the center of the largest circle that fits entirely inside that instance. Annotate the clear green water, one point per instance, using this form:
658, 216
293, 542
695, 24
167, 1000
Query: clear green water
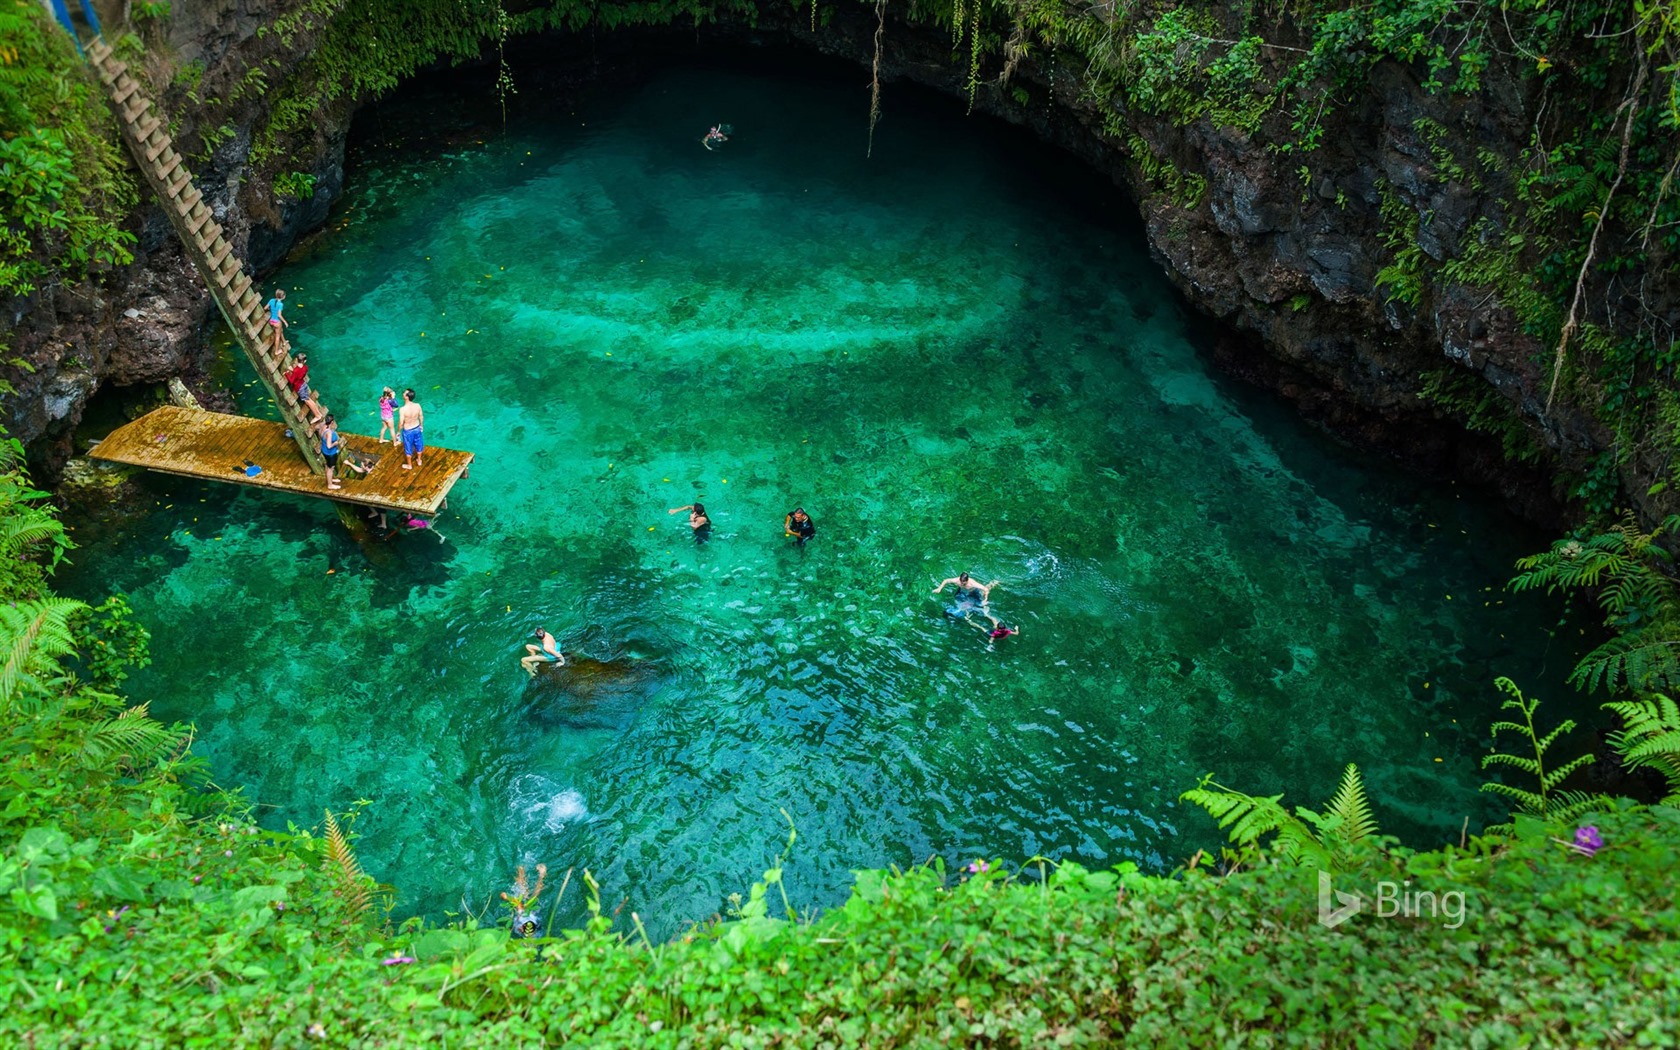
954, 359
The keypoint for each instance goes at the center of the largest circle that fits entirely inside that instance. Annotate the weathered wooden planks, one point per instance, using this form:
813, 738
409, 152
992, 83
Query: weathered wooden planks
215, 447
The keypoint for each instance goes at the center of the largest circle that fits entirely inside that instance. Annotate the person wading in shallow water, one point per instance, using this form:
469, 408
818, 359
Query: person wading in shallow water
697, 520
413, 423
547, 651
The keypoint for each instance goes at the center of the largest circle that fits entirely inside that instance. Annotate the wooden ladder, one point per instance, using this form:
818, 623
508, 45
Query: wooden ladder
147, 136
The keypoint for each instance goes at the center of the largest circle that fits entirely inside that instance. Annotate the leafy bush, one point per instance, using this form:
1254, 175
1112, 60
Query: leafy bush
63, 188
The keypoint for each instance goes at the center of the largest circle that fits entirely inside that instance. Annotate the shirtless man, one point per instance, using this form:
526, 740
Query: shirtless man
412, 422
967, 588
547, 652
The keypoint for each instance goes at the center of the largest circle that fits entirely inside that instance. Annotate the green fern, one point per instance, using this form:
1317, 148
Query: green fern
355, 888
1650, 736
1345, 824
33, 636
132, 738
1547, 802
1629, 572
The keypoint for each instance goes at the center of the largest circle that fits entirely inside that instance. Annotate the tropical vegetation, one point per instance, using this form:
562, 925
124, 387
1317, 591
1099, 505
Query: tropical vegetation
142, 905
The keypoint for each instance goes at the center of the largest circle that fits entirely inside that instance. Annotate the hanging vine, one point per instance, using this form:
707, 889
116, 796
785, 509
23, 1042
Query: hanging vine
504, 77
973, 53
875, 74
813, 16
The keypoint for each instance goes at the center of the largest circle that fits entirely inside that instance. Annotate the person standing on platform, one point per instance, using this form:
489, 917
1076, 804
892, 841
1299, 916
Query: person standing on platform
330, 446
387, 415
412, 422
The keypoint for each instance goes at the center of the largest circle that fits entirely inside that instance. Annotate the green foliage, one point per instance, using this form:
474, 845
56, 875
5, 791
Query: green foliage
1402, 279
113, 641
32, 541
1545, 802
1479, 408
295, 185
1328, 840
1650, 737
1628, 572
63, 187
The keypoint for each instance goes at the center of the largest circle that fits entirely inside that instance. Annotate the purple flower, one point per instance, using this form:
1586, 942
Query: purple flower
398, 959
978, 867
1588, 841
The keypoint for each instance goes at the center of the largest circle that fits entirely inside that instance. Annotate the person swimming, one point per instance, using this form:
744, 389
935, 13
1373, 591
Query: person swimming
999, 630
546, 651
717, 136
972, 596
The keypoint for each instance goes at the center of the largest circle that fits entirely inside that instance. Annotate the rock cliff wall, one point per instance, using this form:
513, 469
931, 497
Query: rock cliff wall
1284, 255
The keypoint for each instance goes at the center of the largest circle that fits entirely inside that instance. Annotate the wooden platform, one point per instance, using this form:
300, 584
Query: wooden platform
215, 447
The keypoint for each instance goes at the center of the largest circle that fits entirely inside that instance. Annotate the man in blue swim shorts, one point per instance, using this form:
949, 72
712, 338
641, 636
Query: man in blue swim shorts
546, 651
412, 422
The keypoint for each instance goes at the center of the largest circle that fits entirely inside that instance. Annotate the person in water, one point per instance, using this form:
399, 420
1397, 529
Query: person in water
715, 137
697, 520
330, 446
546, 651
967, 588
387, 418
799, 525
413, 423
999, 629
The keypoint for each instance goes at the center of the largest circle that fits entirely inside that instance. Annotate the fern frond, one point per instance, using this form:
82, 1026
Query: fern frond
132, 735
1568, 807
1650, 736
1499, 758
340, 861
1353, 807
1528, 800
1544, 744
1557, 776
33, 634
1646, 659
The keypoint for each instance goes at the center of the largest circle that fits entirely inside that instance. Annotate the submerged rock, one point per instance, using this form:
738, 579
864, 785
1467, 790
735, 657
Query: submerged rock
592, 694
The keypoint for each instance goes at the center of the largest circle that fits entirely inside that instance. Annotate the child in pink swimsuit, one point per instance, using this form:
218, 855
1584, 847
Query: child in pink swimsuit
387, 422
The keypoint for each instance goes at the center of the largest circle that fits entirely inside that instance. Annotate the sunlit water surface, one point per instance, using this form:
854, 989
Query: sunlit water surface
955, 360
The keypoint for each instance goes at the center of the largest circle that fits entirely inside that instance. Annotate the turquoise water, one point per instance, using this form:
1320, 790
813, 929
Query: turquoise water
955, 358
